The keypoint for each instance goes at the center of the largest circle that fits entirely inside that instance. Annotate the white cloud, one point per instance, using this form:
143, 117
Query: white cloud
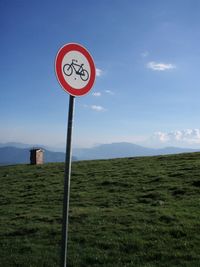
97, 108
109, 92
160, 66
162, 137
98, 72
96, 94
188, 136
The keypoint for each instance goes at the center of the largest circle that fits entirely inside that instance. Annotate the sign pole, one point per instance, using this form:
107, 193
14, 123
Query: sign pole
68, 159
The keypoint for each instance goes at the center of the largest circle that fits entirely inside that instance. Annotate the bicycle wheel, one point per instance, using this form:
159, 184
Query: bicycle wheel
84, 75
67, 69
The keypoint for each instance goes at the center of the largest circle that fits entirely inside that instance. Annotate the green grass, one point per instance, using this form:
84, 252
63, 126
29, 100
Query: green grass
123, 212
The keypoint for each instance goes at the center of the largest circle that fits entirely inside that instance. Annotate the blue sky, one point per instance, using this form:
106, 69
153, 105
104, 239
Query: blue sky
147, 55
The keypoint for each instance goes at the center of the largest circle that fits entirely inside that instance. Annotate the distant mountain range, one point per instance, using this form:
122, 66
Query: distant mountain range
120, 150
15, 153
22, 145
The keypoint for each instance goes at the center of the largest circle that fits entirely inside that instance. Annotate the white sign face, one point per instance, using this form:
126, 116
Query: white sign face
76, 69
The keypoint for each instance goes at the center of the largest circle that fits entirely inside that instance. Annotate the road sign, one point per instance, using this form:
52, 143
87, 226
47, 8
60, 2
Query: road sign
75, 69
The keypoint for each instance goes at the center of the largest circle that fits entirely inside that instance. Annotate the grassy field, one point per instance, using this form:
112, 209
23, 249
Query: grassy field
123, 212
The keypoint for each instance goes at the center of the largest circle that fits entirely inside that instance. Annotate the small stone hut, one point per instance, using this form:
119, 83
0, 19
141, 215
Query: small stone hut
36, 156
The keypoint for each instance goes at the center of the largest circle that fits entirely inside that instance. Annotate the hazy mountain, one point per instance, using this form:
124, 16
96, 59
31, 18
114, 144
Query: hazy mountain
22, 145
14, 155
120, 150
14, 144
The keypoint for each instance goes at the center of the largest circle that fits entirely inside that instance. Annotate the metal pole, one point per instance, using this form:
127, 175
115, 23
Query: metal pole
67, 177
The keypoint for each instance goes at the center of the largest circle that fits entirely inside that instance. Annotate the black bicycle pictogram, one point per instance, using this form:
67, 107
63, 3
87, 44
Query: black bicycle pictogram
68, 70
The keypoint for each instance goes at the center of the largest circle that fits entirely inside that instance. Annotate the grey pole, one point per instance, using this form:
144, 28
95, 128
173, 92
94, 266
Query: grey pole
67, 177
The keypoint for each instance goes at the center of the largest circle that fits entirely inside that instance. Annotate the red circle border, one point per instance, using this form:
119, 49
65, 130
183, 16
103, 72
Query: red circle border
58, 69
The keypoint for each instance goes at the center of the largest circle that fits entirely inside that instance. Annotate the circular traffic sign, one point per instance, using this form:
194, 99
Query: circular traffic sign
75, 69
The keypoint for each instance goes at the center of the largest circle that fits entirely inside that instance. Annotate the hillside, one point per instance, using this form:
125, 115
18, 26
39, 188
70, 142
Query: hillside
123, 212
